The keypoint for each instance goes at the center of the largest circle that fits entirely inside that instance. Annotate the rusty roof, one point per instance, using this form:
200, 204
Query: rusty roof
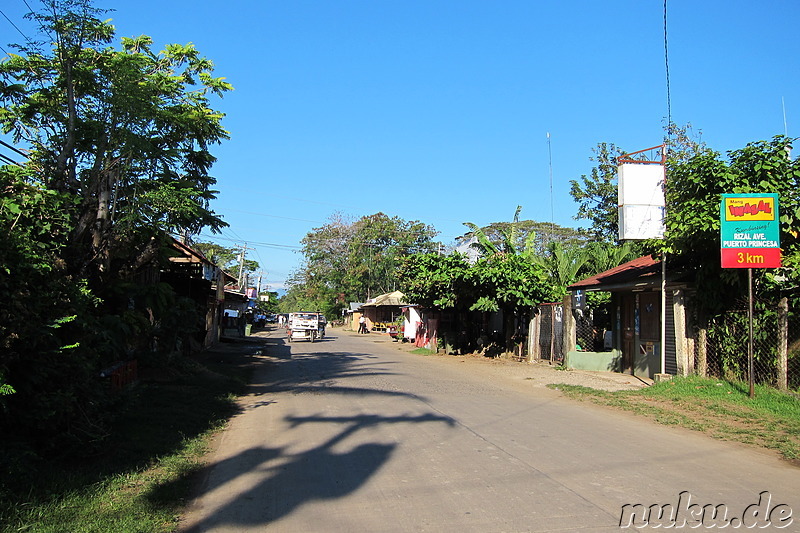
641, 271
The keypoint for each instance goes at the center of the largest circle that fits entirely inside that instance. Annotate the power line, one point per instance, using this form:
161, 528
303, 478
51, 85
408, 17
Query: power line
666, 64
14, 148
255, 243
9, 160
15, 26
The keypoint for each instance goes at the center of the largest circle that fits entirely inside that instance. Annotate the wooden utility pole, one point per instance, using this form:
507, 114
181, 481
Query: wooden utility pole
241, 265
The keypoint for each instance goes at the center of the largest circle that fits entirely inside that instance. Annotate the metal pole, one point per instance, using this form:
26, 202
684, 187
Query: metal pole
750, 328
663, 337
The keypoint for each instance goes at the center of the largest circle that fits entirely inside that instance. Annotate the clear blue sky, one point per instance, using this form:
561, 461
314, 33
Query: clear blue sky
438, 111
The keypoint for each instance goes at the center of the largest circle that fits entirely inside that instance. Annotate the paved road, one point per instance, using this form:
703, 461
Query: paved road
350, 435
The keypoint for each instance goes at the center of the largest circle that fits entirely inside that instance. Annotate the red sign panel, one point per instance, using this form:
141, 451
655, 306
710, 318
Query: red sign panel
751, 257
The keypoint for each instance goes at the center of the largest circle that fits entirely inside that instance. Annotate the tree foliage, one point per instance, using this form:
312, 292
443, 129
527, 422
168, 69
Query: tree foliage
126, 131
693, 222
541, 234
352, 260
596, 194
228, 259
119, 145
438, 281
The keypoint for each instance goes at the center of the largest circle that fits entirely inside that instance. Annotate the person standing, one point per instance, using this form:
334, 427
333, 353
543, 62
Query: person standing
362, 324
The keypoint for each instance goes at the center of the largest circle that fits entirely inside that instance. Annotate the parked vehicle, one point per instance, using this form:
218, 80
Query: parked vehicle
305, 326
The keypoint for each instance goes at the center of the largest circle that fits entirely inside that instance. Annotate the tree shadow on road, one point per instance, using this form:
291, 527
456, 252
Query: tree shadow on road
290, 480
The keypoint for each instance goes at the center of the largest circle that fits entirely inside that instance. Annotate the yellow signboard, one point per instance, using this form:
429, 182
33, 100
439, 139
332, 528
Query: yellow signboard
751, 208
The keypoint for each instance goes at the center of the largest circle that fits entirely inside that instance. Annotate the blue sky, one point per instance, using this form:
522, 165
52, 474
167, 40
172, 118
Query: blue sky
439, 110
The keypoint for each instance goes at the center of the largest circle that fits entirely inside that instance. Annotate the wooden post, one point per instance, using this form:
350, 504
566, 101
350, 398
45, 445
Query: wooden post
681, 344
569, 333
702, 351
783, 343
533, 337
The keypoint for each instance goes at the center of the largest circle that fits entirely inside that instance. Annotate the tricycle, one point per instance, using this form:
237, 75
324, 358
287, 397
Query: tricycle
305, 326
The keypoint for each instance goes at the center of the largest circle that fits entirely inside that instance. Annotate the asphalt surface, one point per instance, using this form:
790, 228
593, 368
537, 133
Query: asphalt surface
350, 434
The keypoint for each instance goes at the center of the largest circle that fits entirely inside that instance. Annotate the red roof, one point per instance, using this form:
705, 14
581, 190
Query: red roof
644, 269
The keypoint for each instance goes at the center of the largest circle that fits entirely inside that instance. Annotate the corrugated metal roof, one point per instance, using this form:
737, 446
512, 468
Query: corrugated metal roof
390, 298
642, 270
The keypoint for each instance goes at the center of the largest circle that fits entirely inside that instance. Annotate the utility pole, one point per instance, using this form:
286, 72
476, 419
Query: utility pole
241, 265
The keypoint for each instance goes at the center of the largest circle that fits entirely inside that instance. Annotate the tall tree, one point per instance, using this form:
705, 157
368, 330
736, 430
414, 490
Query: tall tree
346, 260
596, 194
693, 198
119, 142
126, 131
507, 278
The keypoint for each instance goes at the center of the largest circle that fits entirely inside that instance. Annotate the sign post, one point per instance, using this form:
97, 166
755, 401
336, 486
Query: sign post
750, 238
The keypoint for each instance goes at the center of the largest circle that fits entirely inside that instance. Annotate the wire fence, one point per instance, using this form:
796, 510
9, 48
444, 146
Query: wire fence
591, 334
723, 350
548, 334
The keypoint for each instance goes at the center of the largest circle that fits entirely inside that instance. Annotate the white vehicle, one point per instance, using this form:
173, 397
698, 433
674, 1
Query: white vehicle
306, 326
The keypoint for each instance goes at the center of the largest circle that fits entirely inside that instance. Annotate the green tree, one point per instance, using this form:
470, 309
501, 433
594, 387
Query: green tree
596, 194
127, 132
507, 277
48, 345
119, 156
562, 264
347, 260
223, 257
229, 260
693, 223
438, 281
543, 234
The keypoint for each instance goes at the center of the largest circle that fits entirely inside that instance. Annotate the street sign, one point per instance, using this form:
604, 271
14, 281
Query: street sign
750, 231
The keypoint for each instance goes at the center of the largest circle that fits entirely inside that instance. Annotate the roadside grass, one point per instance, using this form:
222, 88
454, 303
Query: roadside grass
422, 351
715, 407
146, 470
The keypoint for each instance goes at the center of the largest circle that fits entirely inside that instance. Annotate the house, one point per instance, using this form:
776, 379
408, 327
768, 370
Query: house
351, 315
383, 311
234, 314
641, 341
190, 274
421, 326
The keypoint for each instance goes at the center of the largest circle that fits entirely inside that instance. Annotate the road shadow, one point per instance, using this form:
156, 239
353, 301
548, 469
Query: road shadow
319, 473
300, 371
277, 480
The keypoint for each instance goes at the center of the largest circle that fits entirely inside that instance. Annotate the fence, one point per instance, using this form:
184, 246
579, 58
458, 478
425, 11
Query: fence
722, 350
547, 334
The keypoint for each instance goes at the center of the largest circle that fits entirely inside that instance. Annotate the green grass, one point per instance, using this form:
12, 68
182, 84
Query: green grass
422, 351
717, 408
140, 481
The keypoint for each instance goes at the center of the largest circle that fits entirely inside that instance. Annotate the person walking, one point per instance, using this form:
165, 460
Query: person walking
362, 324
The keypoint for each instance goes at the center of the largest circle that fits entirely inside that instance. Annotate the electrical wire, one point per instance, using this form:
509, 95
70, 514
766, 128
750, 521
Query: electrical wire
666, 65
27, 40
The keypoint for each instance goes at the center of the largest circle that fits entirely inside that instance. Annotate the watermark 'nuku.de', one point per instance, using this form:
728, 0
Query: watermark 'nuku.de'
692, 515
